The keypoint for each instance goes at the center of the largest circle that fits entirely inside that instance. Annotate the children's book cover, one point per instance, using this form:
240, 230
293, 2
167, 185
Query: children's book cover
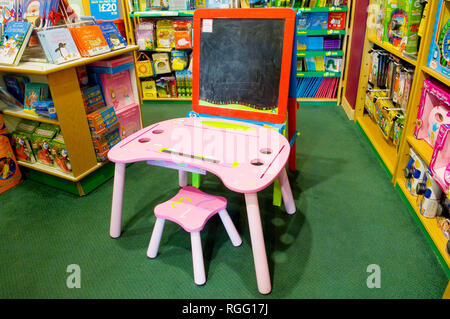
34, 92
90, 40
7, 11
33, 12
58, 43
14, 41
117, 89
112, 35
16, 85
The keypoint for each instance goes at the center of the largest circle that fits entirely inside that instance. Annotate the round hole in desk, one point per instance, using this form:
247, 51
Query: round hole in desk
257, 162
266, 151
157, 131
144, 140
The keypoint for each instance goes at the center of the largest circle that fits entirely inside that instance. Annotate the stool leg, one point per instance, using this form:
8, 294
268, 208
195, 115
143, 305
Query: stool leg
153, 247
230, 228
182, 178
117, 200
197, 259
288, 199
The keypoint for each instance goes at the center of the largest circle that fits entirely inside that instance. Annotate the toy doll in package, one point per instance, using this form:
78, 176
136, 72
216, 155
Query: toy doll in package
41, 141
145, 35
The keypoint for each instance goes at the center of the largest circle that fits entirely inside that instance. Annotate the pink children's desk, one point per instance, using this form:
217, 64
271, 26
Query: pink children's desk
246, 157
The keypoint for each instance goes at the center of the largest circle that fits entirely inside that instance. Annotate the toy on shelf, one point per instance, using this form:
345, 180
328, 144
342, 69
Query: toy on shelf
9, 169
144, 66
60, 155
414, 172
431, 196
439, 53
21, 140
402, 24
434, 111
40, 142
129, 119
440, 160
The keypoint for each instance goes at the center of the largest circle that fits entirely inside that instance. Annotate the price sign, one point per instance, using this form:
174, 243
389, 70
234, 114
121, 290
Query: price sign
104, 9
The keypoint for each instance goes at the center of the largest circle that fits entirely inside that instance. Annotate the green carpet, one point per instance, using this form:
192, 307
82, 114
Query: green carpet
349, 216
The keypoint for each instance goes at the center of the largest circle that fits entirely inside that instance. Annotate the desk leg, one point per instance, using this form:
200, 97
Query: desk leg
288, 199
182, 178
116, 210
258, 246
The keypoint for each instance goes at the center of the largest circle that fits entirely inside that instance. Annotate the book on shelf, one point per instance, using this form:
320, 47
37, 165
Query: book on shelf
8, 13
89, 40
58, 45
14, 41
317, 87
112, 35
9, 100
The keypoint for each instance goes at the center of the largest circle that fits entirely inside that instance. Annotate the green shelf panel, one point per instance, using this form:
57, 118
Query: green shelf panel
318, 74
323, 9
148, 14
320, 53
321, 32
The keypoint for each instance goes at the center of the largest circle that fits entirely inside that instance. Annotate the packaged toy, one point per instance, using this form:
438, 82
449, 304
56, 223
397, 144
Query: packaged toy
45, 108
104, 141
404, 87
414, 172
149, 89
60, 155
430, 193
402, 24
41, 141
102, 119
9, 169
117, 89
145, 35
336, 20
439, 54
92, 98
440, 160
371, 96
130, 120
144, 66
386, 115
434, 111
161, 63
375, 20
318, 20
166, 87
21, 140
444, 225
165, 34
398, 129
178, 60
183, 34
184, 83
113, 65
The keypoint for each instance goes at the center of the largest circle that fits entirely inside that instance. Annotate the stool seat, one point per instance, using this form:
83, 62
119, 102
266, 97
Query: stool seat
190, 208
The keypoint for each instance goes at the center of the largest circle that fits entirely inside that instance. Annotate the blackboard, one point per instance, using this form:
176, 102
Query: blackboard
242, 64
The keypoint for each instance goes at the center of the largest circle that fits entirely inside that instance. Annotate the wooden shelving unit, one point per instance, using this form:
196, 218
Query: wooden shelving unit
393, 158
66, 94
344, 33
131, 19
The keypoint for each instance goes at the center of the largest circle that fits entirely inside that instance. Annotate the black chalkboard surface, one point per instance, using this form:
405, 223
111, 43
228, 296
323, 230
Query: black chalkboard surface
240, 63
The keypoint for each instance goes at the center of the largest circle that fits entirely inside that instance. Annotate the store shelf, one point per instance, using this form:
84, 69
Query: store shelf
325, 74
320, 53
48, 68
28, 116
386, 151
422, 148
169, 99
436, 75
391, 49
56, 172
316, 101
321, 32
429, 224
323, 9
161, 13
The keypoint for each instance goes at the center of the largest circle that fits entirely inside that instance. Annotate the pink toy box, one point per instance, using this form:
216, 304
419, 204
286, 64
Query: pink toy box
130, 120
117, 89
434, 111
440, 160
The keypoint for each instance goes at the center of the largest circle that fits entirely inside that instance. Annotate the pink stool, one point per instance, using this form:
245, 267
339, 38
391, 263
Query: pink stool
191, 209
